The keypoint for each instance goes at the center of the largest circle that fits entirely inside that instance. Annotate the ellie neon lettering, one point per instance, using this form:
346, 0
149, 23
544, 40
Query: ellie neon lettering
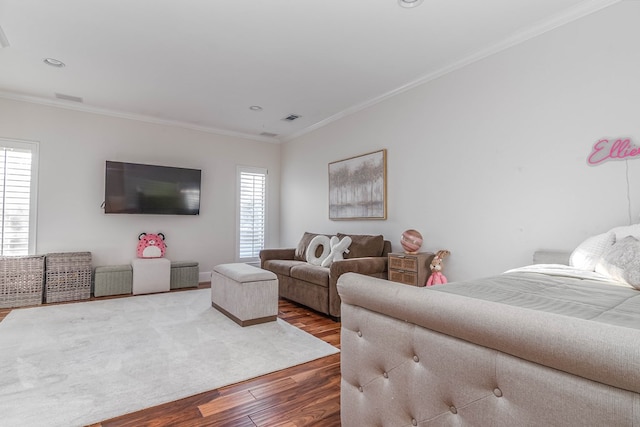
606, 149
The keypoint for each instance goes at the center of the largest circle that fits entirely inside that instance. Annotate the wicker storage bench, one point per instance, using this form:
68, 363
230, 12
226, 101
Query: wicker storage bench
21, 280
67, 276
113, 280
184, 274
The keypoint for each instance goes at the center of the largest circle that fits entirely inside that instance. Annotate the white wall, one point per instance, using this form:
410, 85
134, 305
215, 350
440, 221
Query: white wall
489, 161
73, 149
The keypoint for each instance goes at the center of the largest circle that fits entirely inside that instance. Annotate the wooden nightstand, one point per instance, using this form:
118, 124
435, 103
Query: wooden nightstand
410, 269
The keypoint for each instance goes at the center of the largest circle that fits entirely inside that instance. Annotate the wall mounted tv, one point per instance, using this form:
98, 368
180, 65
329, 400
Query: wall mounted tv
132, 188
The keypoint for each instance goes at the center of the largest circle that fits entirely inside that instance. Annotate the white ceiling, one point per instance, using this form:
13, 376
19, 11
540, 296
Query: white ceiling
202, 63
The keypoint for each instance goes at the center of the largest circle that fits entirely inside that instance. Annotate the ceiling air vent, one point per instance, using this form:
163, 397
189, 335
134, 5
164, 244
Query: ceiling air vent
269, 134
68, 97
291, 117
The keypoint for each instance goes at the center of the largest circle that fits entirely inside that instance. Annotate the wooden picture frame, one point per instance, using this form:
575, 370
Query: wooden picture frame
358, 187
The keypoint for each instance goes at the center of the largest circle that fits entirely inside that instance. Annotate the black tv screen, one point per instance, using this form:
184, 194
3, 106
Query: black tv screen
132, 188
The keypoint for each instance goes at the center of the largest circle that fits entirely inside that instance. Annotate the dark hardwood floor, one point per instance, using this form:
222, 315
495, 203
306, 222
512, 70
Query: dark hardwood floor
304, 395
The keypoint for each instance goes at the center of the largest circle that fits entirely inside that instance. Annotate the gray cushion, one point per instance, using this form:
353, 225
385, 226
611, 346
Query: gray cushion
113, 268
363, 245
183, 264
281, 266
243, 273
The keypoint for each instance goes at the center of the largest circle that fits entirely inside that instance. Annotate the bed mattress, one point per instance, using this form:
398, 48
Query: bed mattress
560, 290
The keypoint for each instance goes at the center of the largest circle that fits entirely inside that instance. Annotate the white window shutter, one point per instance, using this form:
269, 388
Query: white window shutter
252, 212
15, 200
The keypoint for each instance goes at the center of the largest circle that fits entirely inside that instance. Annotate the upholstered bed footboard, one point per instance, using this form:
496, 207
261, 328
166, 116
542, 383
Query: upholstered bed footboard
415, 357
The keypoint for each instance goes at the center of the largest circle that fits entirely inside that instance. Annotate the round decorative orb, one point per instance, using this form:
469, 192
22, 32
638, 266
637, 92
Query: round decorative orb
411, 241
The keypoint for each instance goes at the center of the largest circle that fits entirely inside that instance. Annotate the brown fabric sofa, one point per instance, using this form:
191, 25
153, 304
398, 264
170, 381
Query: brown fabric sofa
315, 286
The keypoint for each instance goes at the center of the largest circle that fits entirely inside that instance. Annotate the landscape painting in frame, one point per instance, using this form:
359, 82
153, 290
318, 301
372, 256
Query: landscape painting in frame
358, 187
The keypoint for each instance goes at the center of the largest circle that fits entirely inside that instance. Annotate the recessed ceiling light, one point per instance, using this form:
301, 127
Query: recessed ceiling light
53, 62
410, 3
255, 108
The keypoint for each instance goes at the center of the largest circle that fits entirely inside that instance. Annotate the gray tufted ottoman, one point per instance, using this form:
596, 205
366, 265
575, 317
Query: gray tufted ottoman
247, 295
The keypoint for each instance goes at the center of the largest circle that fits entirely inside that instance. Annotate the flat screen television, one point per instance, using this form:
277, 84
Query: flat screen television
132, 188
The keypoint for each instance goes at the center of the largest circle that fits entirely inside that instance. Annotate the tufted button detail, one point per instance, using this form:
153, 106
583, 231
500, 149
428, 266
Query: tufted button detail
453, 409
497, 392
414, 422
385, 375
416, 359
360, 389
359, 333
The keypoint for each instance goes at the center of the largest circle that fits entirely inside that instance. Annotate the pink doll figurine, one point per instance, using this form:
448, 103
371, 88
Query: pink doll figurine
436, 277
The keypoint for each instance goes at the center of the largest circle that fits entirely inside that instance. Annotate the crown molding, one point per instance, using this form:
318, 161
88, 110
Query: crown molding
572, 14
68, 105
558, 20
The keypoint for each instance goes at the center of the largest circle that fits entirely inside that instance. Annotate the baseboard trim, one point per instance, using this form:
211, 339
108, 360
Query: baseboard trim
244, 323
204, 276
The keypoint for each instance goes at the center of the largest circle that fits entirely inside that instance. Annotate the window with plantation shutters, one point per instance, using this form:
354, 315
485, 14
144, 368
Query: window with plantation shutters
252, 187
18, 162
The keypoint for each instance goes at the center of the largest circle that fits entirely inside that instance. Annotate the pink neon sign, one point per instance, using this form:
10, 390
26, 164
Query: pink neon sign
607, 149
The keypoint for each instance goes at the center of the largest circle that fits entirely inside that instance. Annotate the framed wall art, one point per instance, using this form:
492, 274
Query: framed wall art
358, 187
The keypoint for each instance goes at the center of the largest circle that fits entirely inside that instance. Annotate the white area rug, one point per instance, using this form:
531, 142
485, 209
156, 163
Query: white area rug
77, 364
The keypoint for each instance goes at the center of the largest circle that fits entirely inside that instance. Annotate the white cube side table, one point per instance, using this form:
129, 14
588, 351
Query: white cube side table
151, 275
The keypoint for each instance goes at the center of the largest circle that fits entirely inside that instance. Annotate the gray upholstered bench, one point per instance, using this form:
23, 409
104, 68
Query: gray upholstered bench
247, 295
112, 280
184, 274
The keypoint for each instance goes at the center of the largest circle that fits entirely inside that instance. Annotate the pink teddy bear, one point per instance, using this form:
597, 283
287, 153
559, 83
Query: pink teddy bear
151, 245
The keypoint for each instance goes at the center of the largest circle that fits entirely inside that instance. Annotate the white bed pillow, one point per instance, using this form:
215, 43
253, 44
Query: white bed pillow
621, 262
626, 230
589, 252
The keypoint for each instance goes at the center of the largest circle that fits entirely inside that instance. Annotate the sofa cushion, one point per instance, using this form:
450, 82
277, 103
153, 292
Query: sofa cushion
363, 245
281, 266
311, 273
303, 244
